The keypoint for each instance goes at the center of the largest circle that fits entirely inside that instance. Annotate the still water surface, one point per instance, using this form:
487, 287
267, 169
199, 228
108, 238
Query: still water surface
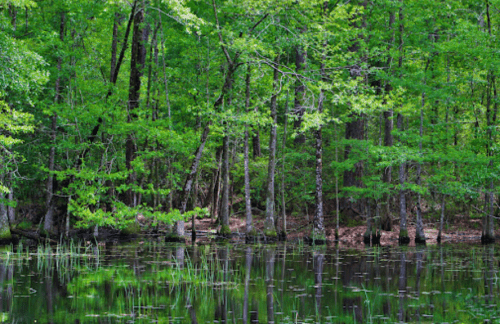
151, 282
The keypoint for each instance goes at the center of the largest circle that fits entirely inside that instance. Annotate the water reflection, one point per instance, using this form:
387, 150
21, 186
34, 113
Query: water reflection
153, 282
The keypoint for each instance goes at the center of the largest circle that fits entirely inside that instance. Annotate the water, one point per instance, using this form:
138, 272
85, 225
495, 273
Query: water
151, 282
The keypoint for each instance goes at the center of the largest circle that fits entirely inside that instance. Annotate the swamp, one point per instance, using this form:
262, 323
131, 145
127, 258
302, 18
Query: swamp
152, 282
249, 161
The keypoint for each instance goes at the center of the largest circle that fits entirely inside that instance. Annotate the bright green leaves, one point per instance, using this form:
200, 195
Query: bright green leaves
182, 13
21, 71
18, 3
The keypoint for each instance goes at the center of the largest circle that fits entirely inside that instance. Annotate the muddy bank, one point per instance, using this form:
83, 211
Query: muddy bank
462, 230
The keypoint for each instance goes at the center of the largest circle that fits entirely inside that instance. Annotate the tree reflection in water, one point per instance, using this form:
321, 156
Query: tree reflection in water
249, 284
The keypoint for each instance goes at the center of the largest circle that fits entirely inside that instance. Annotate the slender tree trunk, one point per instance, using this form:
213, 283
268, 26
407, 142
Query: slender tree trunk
318, 235
299, 109
488, 235
13, 16
386, 220
248, 202
114, 45
441, 220
179, 225
256, 142
215, 185
114, 77
355, 129
137, 61
5, 234
420, 235
403, 231
49, 202
269, 228
10, 196
337, 202
225, 230
369, 224
283, 148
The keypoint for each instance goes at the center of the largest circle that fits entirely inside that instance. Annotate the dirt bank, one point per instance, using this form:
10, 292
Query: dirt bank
462, 230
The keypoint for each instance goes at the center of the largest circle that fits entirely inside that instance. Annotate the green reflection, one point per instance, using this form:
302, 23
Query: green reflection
157, 283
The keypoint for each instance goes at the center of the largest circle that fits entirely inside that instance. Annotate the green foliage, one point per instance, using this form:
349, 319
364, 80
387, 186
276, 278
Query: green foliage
104, 152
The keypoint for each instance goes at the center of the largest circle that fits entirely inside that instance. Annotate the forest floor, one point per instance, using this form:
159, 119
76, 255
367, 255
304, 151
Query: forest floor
460, 230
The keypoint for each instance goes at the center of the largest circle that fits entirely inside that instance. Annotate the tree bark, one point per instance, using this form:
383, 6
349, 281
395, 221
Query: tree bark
269, 228
10, 196
114, 46
488, 235
137, 61
318, 234
179, 226
5, 234
225, 231
403, 231
248, 202
386, 221
283, 174
354, 129
256, 142
419, 234
49, 201
441, 220
299, 109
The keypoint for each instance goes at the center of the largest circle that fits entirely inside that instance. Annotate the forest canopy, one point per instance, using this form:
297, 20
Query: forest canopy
361, 111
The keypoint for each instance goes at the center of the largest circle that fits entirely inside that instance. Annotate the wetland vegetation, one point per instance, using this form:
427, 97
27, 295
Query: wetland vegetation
138, 116
154, 282
349, 121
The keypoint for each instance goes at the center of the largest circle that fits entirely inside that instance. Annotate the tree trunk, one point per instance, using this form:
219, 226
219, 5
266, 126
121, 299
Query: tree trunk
216, 185
114, 77
354, 129
386, 221
49, 202
318, 235
420, 235
488, 235
283, 149
369, 225
137, 60
248, 202
299, 109
5, 234
269, 228
10, 196
441, 220
225, 230
256, 142
179, 225
114, 45
403, 231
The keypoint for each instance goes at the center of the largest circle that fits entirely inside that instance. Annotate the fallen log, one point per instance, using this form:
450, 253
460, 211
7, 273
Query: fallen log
36, 237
